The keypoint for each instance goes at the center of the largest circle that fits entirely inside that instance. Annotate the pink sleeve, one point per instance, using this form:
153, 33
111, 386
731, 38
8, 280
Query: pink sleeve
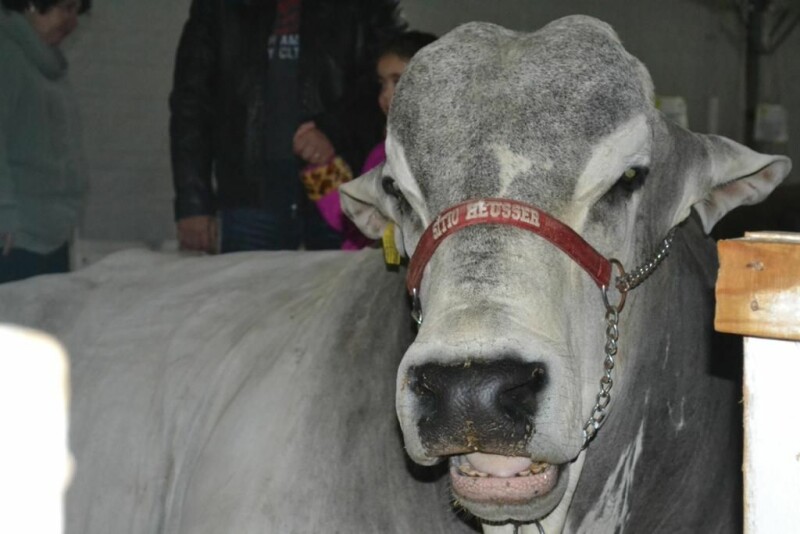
331, 210
375, 158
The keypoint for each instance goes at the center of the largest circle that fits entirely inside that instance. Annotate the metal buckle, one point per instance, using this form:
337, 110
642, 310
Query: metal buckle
621, 291
416, 307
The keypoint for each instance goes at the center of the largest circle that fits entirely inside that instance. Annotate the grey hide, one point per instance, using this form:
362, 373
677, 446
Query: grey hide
245, 393
506, 367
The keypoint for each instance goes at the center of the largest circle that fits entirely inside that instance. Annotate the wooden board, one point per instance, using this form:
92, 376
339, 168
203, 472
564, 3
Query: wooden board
758, 287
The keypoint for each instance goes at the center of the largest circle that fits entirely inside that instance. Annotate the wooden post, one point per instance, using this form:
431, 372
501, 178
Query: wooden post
758, 288
758, 296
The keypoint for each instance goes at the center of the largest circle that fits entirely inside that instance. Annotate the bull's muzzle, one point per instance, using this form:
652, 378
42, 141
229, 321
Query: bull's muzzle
486, 406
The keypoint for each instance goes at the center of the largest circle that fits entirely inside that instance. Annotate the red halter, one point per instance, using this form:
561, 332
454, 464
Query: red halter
513, 213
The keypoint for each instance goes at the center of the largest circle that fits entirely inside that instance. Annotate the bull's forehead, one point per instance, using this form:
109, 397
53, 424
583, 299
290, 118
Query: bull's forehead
486, 111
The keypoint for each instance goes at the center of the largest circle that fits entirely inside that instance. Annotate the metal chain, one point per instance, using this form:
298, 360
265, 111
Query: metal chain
624, 283
603, 398
638, 275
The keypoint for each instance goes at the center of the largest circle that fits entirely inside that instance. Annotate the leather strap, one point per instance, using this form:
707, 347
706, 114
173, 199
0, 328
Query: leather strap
512, 213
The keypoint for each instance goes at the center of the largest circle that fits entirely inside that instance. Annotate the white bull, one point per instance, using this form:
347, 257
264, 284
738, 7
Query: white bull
244, 393
512, 370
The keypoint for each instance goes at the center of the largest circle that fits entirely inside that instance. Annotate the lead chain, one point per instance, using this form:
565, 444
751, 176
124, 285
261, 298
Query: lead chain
603, 398
638, 275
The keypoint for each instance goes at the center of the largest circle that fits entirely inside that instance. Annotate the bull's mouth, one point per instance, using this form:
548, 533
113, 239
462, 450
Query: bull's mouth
503, 488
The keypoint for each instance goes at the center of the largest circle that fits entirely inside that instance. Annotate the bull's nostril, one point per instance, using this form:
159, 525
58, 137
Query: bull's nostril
521, 400
485, 405
423, 392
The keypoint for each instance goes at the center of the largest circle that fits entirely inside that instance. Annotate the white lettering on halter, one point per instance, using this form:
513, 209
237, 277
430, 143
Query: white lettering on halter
501, 210
444, 222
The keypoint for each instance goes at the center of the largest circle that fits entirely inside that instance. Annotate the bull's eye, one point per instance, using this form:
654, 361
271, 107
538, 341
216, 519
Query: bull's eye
633, 178
390, 187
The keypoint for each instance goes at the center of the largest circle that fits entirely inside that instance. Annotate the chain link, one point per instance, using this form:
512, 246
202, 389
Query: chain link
599, 412
638, 275
625, 282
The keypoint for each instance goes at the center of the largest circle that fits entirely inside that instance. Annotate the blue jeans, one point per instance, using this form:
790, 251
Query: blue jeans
21, 263
257, 229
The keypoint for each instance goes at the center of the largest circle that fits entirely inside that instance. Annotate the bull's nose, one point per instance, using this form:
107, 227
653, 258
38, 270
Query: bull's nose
485, 406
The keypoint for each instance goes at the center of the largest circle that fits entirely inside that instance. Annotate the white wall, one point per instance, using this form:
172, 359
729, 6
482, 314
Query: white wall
121, 61
121, 65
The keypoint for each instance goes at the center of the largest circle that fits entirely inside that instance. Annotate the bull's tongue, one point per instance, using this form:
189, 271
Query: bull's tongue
497, 465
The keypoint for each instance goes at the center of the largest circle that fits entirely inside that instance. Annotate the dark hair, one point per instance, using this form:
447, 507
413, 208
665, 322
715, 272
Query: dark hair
41, 5
405, 45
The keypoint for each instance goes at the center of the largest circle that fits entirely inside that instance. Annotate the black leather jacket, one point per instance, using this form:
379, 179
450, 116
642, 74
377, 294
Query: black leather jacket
217, 103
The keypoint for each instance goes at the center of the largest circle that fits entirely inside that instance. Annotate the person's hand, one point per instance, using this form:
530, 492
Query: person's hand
7, 242
312, 145
198, 232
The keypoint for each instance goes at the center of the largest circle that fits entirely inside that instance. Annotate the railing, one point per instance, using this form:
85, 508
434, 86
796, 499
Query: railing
758, 296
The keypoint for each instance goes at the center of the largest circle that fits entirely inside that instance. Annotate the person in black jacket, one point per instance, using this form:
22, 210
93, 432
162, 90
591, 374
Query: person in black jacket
262, 88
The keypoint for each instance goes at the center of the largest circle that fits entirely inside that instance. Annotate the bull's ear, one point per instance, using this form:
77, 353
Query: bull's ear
366, 204
734, 176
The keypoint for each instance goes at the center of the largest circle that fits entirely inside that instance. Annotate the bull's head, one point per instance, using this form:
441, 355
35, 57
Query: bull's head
504, 372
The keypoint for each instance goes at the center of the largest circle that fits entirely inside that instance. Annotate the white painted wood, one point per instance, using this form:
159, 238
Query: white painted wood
34, 459
772, 436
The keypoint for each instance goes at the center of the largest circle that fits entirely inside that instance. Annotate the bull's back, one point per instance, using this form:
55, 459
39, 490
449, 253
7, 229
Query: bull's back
241, 393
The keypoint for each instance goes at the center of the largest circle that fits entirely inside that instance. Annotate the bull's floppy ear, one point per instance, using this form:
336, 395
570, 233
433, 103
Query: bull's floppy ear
366, 204
735, 176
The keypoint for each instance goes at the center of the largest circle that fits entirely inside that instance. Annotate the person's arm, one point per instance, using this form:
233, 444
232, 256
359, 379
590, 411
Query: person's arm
355, 123
312, 145
192, 119
193, 111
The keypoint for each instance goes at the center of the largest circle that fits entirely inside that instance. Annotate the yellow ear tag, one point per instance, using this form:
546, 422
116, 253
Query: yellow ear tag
390, 252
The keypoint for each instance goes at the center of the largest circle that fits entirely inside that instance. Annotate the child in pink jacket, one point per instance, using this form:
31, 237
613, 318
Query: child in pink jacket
391, 64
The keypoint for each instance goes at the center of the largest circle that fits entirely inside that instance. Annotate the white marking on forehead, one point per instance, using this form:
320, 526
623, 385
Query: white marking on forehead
401, 172
627, 146
511, 166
